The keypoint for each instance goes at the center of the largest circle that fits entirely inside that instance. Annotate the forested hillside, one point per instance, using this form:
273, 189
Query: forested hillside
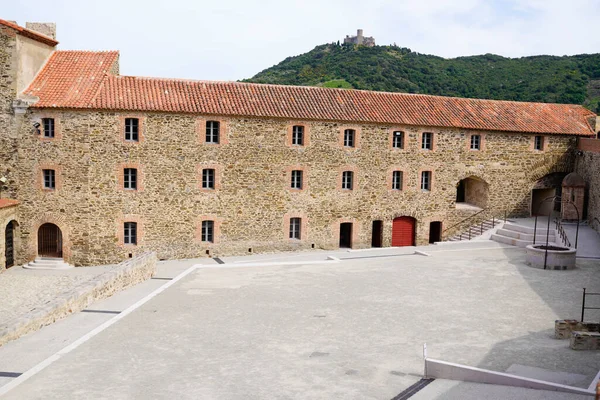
567, 79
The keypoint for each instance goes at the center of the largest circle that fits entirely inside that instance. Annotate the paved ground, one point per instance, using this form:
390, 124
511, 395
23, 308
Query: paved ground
23, 290
347, 330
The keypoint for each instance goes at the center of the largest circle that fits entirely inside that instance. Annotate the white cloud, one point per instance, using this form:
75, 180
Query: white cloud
234, 39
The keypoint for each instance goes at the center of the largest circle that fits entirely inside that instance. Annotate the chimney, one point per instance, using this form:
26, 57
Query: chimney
45, 28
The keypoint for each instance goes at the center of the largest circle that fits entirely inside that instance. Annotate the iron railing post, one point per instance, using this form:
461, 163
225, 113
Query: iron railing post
583, 305
534, 229
547, 238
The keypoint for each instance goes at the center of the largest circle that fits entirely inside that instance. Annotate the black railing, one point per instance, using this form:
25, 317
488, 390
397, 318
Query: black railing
475, 227
583, 307
562, 233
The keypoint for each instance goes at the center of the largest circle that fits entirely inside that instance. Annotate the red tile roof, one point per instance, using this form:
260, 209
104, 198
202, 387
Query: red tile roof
69, 80
30, 33
8, 203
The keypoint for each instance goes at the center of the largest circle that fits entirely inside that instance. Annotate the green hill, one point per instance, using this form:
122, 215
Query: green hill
550, 79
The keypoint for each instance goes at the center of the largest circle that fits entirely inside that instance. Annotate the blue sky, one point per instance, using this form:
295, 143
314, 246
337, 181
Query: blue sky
235, 39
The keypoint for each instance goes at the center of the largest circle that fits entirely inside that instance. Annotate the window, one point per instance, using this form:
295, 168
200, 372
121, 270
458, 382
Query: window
347, 177
295, 225
475, 142
398, 140
397, 180
130, 233
130, 178
212, 132
49, 179
538, 143
349, 137
208, 231
426, 181
48, 127
427, 141
298, 135
132, 126
208, 178
296, 179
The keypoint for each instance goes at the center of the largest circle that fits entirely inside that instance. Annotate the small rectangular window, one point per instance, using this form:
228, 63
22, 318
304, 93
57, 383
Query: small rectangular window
130, 233
298, 135
208, 231
349, 137
398, 140
397, 180
347, 178
475, 142
130, 178
427, 141
538, 143
295, 225
296, 179
208, 178
49, 179
212, 132
48, 127
426, 180
132, 126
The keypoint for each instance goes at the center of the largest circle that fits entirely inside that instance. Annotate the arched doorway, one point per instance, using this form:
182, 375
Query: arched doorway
547, 186
472, 191
49, 241
9, 244
403, 231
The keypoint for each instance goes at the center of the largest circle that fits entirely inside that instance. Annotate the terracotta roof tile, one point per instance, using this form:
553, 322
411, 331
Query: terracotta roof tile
8, 203
72, 80
30, 33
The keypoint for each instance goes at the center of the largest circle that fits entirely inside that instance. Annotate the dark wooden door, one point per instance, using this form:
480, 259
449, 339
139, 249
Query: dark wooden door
49, 241
9, 244
346, 234
435, 231
403, 231
376, 239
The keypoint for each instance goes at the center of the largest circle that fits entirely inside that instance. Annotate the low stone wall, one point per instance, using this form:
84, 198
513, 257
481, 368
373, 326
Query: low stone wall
125, 274
563, 328
585, 341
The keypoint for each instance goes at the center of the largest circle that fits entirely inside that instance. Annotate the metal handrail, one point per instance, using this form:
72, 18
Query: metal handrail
494, 218
562, 233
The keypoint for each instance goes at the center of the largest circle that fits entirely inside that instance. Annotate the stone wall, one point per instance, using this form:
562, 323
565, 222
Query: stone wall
588, 166
253, 203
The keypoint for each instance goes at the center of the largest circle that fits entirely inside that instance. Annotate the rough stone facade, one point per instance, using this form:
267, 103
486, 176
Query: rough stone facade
588, 166
253, 197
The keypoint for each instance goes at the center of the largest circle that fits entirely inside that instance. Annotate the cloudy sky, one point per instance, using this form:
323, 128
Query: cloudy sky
235, 39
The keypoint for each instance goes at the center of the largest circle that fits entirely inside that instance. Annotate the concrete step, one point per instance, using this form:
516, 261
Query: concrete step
47, 263
517, 242
540, 236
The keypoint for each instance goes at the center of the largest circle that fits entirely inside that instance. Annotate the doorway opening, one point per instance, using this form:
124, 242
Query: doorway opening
377, 236
472, 192
435, 231
9, 244
403, 231
346, 235
50, 241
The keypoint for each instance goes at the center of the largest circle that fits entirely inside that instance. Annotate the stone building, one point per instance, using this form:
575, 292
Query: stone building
100, 166
359, 39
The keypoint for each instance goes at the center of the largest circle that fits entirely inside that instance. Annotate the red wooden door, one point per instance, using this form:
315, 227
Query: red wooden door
403, 231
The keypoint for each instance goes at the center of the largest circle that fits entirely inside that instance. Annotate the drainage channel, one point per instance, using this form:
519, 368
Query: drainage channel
413, 389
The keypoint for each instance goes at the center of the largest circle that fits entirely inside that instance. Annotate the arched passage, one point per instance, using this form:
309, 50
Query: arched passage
9, 244
472, 191
547, 186
403, 231
50, 241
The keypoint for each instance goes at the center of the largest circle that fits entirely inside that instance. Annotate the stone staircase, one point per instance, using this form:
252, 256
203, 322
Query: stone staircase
475, 230
521, 236
47, 263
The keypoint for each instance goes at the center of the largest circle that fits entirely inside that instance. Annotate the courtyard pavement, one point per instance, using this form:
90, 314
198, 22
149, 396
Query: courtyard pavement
260, 328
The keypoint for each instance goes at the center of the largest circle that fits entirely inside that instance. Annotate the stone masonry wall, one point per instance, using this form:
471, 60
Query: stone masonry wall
588, 166
8, 84
252, 204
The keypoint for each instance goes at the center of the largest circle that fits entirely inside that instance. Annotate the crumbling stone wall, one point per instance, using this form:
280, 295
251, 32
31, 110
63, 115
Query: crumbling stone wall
253, 200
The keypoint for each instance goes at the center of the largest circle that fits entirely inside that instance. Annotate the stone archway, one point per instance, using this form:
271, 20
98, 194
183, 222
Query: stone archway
50, 241
472, 191
547, 186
